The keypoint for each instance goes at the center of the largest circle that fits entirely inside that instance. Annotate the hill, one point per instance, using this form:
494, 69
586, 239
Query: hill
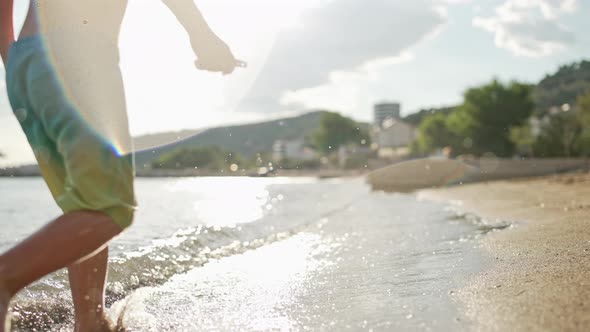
145, 142
562, 87
246, 140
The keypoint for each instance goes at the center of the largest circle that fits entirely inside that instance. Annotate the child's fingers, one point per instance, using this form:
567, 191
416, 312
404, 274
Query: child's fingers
228, 71
208, 67
218, 67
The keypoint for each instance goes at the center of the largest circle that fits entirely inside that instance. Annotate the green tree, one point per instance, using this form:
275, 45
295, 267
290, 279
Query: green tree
583, 116
482, 123
583, 109
560, 138
487, 115
336, 130
434, 134
523, 139
567, 134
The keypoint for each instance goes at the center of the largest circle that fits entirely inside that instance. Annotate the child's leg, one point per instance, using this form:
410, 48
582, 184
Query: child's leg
63, 242
87, 281
86, 169
4, 301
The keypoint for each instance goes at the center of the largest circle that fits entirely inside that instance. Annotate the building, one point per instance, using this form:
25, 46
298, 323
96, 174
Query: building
294, 149
384, 111
393, 138
395, 134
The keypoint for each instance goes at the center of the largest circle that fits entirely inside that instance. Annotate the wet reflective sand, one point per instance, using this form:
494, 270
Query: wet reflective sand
385, 262
227, 254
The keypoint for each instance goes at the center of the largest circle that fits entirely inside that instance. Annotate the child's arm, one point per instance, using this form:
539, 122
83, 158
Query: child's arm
212, 53
6, 28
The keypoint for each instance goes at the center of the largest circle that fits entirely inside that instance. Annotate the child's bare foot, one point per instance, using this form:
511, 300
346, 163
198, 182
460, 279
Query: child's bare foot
102, 325
99, 323
105, 326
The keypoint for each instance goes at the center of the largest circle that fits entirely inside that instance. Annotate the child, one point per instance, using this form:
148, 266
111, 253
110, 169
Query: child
65, 87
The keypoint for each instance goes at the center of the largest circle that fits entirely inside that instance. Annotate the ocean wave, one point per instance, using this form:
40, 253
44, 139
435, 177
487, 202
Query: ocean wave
47, 303
482, 225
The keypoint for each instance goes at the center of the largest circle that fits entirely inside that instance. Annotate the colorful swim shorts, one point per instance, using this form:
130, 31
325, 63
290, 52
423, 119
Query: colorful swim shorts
82, 170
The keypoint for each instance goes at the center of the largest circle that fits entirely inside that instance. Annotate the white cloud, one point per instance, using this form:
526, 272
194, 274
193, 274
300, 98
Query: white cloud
345, 91
335, 40
530, 28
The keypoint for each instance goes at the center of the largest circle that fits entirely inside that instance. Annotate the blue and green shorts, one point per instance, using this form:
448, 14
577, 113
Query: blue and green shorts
82, 170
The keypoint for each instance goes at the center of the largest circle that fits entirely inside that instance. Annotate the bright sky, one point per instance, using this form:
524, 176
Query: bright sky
343, 55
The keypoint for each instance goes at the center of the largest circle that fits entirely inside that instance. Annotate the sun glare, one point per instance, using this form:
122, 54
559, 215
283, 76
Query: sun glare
151, 38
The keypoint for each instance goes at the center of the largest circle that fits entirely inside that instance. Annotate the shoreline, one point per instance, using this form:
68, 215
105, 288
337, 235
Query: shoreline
395, 272
539, 274
34, 172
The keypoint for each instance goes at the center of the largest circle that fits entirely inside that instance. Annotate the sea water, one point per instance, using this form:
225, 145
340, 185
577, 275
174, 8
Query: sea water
262, 254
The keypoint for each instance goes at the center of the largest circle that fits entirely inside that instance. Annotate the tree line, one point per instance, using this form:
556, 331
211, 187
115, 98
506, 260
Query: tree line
550, 119
333, 131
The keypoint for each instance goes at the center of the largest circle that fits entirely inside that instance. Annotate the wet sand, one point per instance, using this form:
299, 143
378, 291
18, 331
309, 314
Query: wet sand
539, 276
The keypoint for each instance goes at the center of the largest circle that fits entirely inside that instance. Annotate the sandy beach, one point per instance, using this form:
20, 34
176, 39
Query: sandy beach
538, 274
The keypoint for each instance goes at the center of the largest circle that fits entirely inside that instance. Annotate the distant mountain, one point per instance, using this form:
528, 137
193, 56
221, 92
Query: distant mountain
147, 141
246, 140
563, 87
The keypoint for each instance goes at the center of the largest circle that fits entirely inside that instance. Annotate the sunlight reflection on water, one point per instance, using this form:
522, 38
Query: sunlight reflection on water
243, 292
230, 201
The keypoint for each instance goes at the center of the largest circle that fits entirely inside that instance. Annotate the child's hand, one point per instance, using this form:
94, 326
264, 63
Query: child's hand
213, 54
